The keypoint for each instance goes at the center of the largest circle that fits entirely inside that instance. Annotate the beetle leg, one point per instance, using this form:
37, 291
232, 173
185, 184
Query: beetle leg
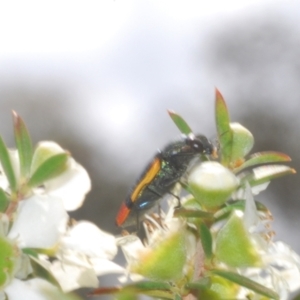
178, 199
137, 221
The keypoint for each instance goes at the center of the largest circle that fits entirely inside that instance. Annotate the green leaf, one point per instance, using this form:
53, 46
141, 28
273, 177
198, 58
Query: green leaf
180, 123
237, 205
264, 174
50, 252
49, 169
24, 145
247, 283
150, 288
7, 166
41, 272
200, 284
193, 213
206, 240
150, 285
4, 201
225, 134
263, 158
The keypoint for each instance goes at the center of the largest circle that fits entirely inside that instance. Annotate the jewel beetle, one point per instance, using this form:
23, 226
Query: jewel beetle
160, 177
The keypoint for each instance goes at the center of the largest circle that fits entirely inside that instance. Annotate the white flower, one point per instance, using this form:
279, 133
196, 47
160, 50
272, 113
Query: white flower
71, 186
33, 289
281, 271
30, 229
157, 233
83, 253
281, 266
40, 222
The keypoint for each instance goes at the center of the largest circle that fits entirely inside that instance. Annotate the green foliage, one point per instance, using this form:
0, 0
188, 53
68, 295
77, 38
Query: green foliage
52, 167
8, 261
246, 282
224, 131
234, 246
203, 258
180, 123
206, 240
24, 145
4, 201
7, 166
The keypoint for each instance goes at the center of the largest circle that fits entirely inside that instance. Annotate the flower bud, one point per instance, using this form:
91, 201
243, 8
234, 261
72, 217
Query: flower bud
8, 260
165, 261
212, 184
234, 245
220, 289
243, 142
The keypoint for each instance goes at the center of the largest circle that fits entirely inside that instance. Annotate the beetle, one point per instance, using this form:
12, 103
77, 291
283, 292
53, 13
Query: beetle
160, 176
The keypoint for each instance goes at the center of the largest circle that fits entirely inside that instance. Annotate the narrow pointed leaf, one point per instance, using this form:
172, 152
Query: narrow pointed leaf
225, 134
41, 272
7, 166
247, 283
237, 204
202, 283
206, 240
180, 123
264, 158
4, 201
264, 174
150, 288
193, 213
49, 169
150, 285
24, 145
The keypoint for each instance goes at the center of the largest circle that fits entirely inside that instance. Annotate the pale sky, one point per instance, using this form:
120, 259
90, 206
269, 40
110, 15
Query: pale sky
49, 27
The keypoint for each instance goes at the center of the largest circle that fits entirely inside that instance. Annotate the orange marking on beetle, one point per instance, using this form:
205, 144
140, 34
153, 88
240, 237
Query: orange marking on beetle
122, 215
148, 177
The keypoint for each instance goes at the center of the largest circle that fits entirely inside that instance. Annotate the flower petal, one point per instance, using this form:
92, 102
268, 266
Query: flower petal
86, 238
71, 186
33, 289
40, 222
71, 277
131, 246
24, 267
104, 266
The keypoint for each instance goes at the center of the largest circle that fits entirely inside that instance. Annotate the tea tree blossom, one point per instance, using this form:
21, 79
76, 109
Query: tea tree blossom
218, 245
43, 254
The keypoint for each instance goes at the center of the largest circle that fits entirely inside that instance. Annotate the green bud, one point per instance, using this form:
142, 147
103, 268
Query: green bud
212, 184
234, 245
220, 289
165, 261
8, 259
242, 143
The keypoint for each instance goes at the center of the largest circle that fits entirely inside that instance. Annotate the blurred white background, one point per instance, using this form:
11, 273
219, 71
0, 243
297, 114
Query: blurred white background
98, 77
